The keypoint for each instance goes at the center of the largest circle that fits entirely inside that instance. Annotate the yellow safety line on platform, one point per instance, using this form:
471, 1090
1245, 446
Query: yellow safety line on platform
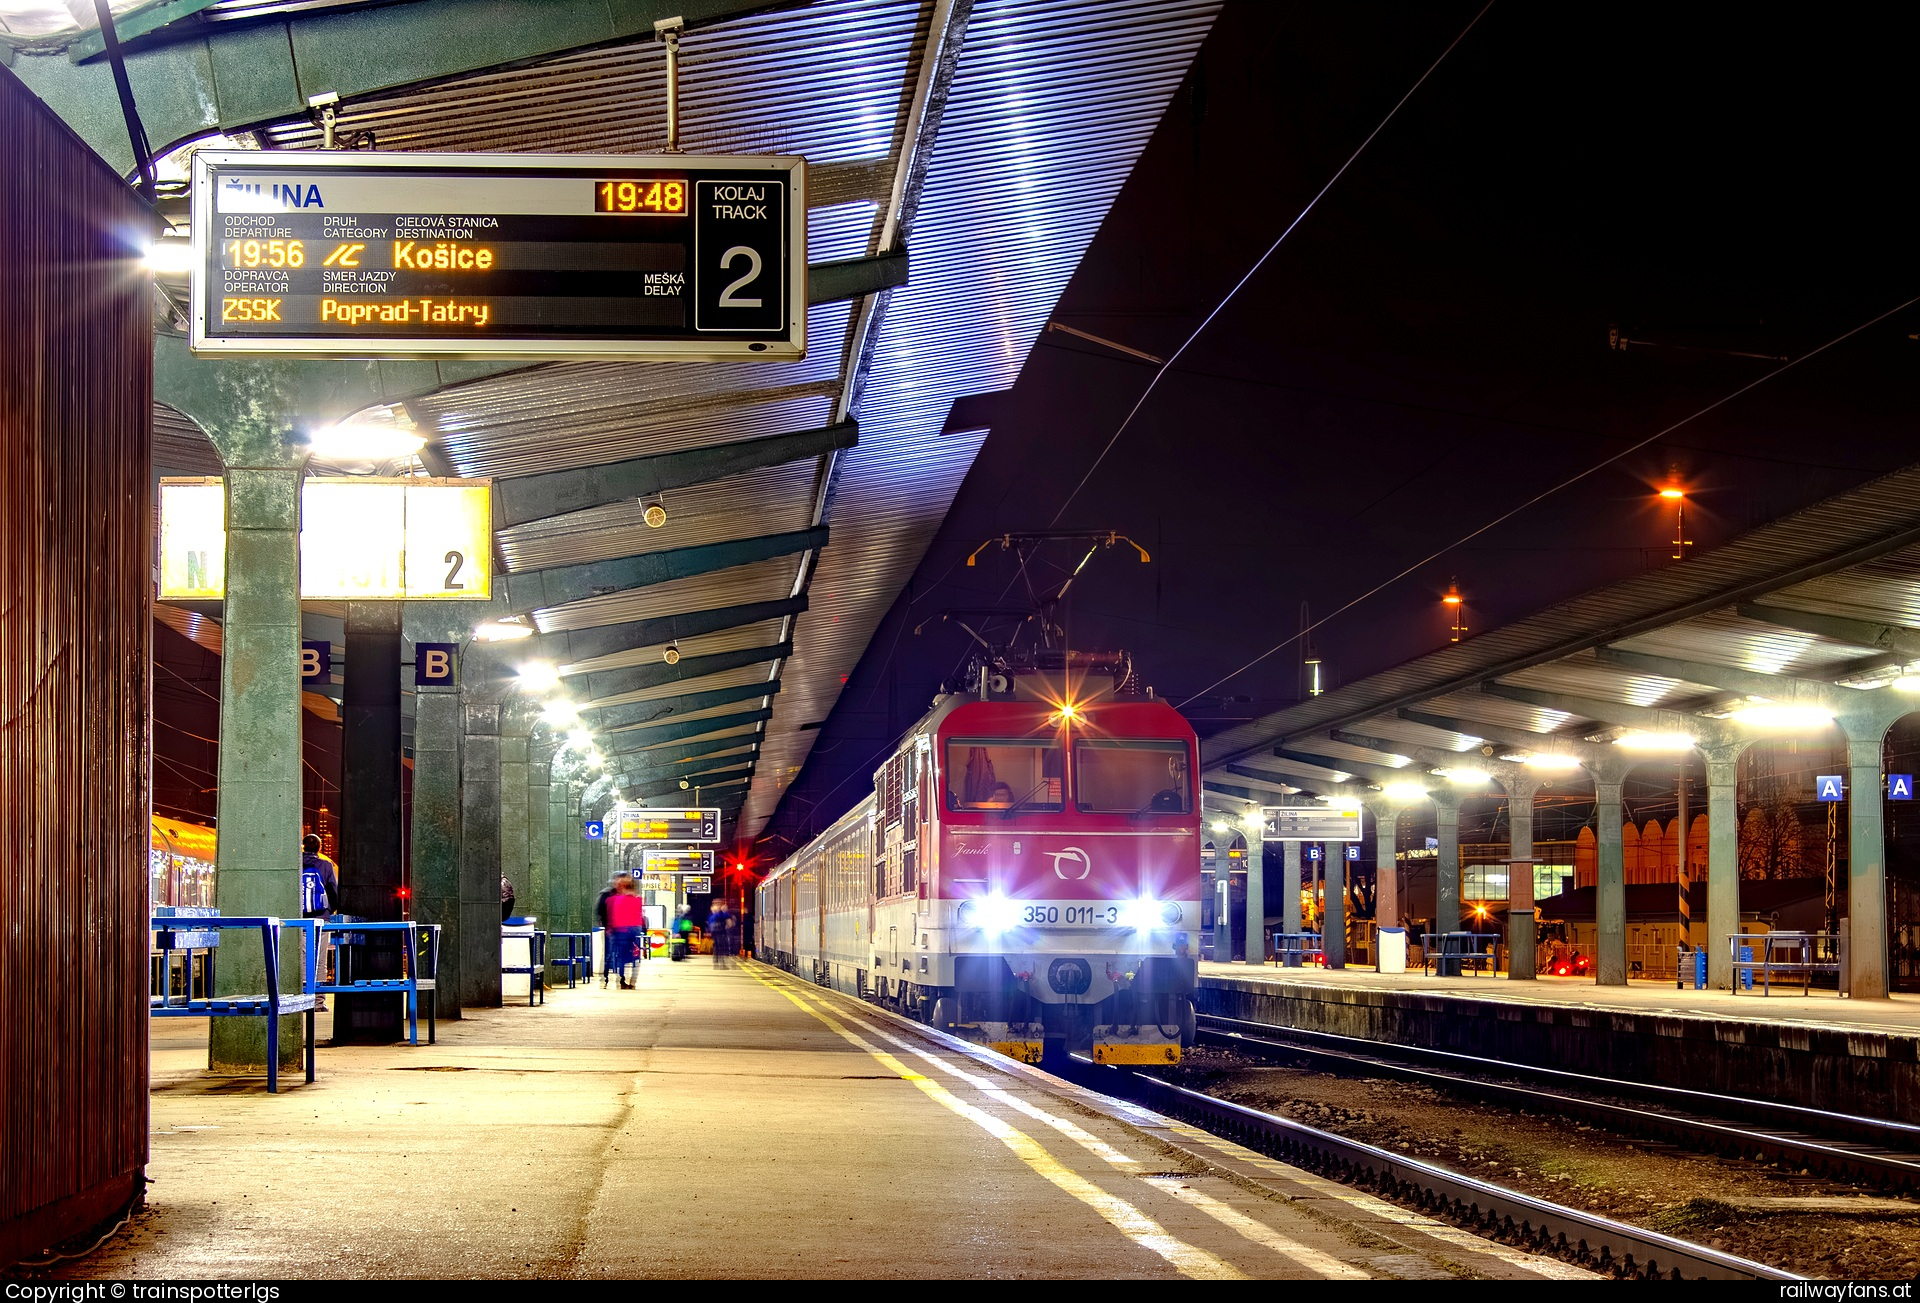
1259, 1232
1247, 1227
1117, 1212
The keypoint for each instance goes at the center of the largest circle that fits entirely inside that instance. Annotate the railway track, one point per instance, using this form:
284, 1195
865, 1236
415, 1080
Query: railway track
1491, 1210
1867, 1151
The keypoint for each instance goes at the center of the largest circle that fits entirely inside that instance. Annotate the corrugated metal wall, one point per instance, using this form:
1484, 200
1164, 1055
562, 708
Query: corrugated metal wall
76, 402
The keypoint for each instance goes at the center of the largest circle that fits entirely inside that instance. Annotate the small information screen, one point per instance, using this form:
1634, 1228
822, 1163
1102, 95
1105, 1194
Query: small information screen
668, 825
488, 255
1292, 823
676, 861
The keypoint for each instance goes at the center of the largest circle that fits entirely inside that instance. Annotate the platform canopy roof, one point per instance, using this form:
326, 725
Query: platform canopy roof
1804, 611
984, 140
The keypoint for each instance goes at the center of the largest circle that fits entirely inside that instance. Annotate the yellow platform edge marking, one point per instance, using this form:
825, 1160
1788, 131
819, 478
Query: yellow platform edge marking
1117, 1212
1257, 1231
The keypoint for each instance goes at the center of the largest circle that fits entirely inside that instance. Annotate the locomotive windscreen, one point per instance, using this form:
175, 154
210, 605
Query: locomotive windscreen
988, 775
1132, 777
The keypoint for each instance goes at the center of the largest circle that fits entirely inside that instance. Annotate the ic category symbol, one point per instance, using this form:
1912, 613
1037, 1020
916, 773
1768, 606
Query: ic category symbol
1071, 858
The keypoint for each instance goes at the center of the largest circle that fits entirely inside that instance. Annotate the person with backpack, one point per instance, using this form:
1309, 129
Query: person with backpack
319, 894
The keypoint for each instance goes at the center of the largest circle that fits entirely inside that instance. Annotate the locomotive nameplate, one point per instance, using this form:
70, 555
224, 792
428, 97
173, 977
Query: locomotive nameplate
675, 257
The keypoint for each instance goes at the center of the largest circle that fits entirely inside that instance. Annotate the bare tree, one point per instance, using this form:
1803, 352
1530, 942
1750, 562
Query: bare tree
1773, 841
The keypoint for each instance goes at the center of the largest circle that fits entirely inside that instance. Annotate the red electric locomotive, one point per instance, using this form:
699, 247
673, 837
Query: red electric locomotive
1027, 869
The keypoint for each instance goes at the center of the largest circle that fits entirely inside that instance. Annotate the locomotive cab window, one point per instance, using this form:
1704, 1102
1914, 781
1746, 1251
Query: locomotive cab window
1134, 777
986, 775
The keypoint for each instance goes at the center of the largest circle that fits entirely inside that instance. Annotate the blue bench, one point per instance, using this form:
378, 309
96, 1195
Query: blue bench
536, 966
419, 962
175, 933
578, 961
1292, 949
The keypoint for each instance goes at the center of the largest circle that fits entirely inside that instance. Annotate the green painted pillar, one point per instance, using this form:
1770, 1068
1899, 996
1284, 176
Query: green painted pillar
1256, 925
1723, 862
1866, 859
436, 830
1386, 867
559, 864
258, 869
539, 865
1520, 915
1610, 896
1335, 938
1446, 870
479, 972
516, 726
1290, 912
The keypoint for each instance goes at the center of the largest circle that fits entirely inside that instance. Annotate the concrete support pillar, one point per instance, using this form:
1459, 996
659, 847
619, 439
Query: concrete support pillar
1222, 906
436, 831
1291, 915
1866, 859
1610, 899
479, 974
1520, 917
258, 856
1256, 898
548, 902
1386, 847
517, 716
1335, 938
1446, 872
370, 831
1723, 862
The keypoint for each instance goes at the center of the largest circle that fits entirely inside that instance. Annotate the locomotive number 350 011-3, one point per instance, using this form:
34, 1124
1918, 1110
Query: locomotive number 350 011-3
1084, 915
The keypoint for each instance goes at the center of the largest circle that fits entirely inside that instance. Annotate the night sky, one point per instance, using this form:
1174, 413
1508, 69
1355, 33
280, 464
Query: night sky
1430, 348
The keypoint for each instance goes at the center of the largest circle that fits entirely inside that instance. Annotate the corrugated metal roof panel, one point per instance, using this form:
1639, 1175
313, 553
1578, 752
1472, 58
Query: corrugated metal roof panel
999, 231
669, 715
724, 679
762, 581
765, 633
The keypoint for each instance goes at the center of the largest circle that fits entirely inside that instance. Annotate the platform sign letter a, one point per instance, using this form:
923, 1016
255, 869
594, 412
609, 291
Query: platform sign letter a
433, 664
1899, 787
1828, 787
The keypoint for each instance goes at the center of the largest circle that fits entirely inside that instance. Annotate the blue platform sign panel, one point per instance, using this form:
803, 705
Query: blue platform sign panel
434, 664
1899, 787
1353, 851
595, 830
316, 662
1828, 787
1313, 853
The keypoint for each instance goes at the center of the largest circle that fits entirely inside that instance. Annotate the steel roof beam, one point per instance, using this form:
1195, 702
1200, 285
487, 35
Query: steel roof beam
1252, 775
669, 787
574, 645
1774, 687
1359, 768
647, 712
193, 78
1614, 714
535, 590
632, 764
1237, 792
855, 278
1855, 633
638, 739
523, 498
636, 678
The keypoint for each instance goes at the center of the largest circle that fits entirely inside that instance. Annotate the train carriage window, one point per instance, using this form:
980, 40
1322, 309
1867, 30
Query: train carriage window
987, 775
1132, 777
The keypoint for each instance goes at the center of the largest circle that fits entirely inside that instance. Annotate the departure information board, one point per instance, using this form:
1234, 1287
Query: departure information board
676, 861
682, 257
1295, 823
667, 825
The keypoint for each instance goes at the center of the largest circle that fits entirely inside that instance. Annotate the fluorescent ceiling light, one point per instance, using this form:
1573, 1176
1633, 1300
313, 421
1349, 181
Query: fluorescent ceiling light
1772, 715
560, 712
382, 434
505, 630
1405, 792
539, 676
1467, 777
1552, 762
1654, 742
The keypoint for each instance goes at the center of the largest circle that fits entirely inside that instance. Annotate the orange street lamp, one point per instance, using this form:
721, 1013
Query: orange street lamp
1456, 611
1678, 497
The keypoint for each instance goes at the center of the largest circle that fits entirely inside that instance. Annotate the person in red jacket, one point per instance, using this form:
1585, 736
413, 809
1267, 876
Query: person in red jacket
626, 916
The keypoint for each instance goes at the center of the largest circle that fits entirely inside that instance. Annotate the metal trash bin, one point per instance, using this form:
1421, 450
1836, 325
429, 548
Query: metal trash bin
1393, 950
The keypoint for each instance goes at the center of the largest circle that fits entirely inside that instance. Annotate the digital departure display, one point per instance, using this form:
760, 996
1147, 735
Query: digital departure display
678, 860
372, 255
637, 825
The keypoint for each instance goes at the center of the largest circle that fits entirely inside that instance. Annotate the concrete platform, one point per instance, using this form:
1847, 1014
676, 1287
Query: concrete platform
1817, 1050
724, 1122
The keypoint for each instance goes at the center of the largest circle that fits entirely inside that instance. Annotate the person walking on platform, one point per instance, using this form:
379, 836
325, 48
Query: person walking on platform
319, 894
506, 898
626, 915
720, 930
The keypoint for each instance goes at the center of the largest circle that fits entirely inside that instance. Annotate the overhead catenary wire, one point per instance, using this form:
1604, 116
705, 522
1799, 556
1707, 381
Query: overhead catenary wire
1254, 270
1551, 490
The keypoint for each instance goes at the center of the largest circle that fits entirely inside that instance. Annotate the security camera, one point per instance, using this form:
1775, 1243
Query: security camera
672, 653
653, 512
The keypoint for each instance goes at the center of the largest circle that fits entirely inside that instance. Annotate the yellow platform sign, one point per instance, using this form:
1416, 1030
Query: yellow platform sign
360, 539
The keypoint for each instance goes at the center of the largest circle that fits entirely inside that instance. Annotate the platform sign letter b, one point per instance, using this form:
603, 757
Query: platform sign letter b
316, 662
433, 664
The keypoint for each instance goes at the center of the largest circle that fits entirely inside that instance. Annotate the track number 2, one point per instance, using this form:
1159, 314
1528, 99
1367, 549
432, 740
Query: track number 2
727, 259
454, 561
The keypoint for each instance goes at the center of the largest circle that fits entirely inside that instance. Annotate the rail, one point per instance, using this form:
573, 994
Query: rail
1877, 1164
1493, 1210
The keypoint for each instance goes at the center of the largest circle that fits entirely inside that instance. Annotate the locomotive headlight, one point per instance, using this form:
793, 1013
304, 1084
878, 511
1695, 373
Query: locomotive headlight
990, 913
1142, 914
